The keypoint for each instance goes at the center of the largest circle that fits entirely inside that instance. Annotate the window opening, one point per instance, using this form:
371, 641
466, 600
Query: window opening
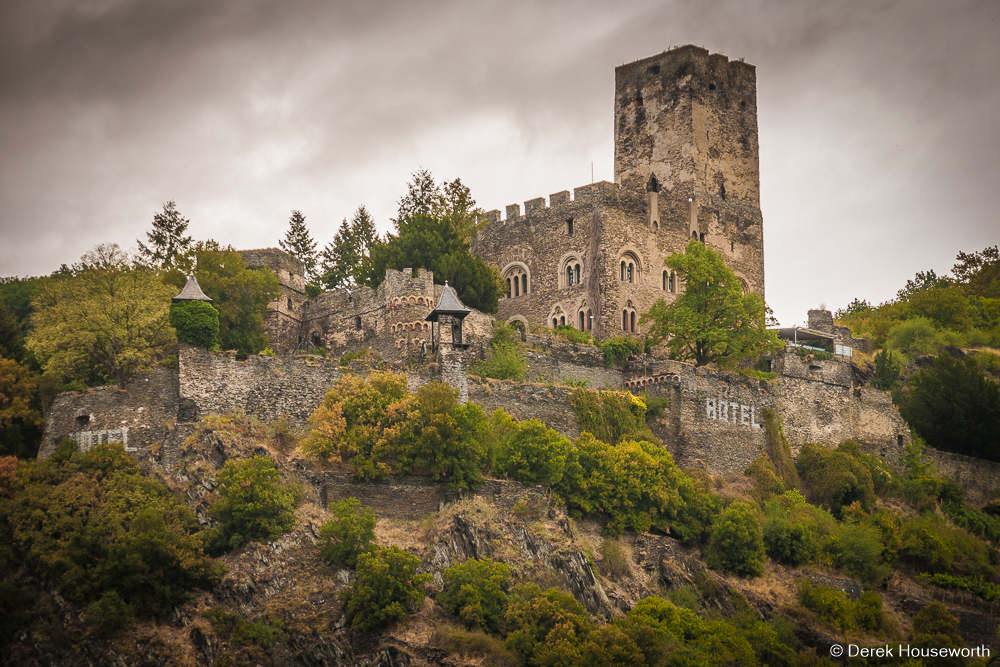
569, 226
524, 283
569, 276
517, 287
583, 322
632, 321
555, 323
289, 304
630, 270
357, 322
672, 282
577, 270
508, 288
664, 281
623, 271
562, 320
702, 239
624, 320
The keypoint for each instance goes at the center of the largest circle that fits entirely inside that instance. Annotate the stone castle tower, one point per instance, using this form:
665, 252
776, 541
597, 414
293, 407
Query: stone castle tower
686, 166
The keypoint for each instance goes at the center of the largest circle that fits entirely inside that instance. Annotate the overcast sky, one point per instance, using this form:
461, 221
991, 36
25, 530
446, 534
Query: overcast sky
879, 128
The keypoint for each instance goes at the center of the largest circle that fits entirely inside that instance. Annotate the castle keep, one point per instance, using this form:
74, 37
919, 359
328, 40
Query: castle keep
686, 166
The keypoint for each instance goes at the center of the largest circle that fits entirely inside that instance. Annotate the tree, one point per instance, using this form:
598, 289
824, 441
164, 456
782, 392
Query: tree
475, 592
887, 370
196, 322
387, 586
20, 414
299, 243
711, 320
166, 240
737, 545
979, 272
923, 281
350, 534
423, 197
253, 505
112, 313
11, 341
437, 244
241, 295
954, 406
342, 261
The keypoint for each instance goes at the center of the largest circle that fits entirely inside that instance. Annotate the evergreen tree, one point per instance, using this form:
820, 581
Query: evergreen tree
342, 261
166, 240
299, 243
423, 197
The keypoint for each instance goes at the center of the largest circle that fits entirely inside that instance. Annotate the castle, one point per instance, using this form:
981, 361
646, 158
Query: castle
686, 167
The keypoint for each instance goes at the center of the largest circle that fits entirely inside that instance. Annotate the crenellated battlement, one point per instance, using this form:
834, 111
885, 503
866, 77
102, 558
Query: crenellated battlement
537, 206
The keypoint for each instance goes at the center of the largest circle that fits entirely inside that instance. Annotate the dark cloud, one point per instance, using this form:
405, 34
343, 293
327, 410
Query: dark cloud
877, 119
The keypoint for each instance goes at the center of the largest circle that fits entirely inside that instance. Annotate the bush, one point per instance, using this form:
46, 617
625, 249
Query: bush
253, 505
929, 544
737, 545
475, 592
618, 349
790, 543
887, 370
507, 360
349, 535
915, 337
109, 613
611, 416
834, 607
530, 452
572, 334
834, 479
386, 588
474, 644
196, 322
262, 632
768, 484
614, 559
858, 550
546, 628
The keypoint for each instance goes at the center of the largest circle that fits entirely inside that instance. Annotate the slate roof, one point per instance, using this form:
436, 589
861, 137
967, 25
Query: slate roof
191, 292
448, 304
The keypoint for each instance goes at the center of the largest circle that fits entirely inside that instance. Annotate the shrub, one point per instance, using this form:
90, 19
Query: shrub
386, 588
507, 360
790, 543
196, 322
779, 451
614, 559
350, 534
887, 370
109, 613
834, 479
834, 607
474, 644
546, 628
915, 337
611, 416
475, 592
618, 349
977, 522
531, 453
929, 544
858, 550
737, 545
572, 334
262, 632
768, 484
253, 505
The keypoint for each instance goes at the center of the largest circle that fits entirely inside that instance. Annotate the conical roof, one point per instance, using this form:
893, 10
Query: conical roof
448, 304
191, 292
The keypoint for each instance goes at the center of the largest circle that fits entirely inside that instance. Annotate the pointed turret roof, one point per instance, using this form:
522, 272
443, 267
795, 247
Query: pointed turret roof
191, 292
448, 304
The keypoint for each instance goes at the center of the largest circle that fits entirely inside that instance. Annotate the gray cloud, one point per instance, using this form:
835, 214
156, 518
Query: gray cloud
877, 120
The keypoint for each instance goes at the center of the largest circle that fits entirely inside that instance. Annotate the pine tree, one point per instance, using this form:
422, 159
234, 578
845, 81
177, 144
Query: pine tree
423, 196
166, 241
299, 243
342, 260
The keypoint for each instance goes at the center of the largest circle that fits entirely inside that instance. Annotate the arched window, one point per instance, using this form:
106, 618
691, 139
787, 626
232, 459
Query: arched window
624, 320
562, 320
555, 322
508, 288
524, 283
672, 282
517, 288
357, 322
577, 270
569, 276
694, 235
623, 271
664, 281
631, 317
583, 322
569, 226
517, 280
630, 271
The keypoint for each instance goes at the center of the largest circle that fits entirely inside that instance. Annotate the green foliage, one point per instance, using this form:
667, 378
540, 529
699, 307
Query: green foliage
887, 370
439, 244
768, 484
614, 560
109, 613
546, 627
975, 585
619, 348
196, 322
11, 338
789, 543
835, 479
441, 436
299, 244
934, 627
349, 534
737, 545
89, 524
954, 407
253, 505
712, 320
241, 295
386, 588
930, 544
915, 337
363, 354
506, 360
167, 243
347, 258
636, 486
611, 416
21, 420
262, 632
17, 295
15, 609
859, 550
528, 451
109, 318
779, 451
475, 592
834, 607
572, 334
977, 522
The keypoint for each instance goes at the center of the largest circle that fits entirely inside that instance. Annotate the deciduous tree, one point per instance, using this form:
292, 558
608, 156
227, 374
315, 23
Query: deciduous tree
712, 320
111, 313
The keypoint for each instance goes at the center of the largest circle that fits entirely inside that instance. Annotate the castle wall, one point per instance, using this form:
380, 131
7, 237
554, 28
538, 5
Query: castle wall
282, 321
